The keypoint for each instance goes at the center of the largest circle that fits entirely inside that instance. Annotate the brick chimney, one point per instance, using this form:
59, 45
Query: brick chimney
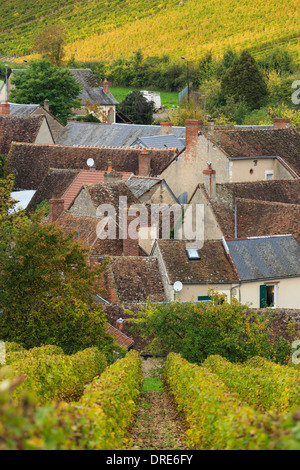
130, 244
120, 323
144, 163
209, 180
192, 130
5, 109
56, 208
105, 86
281, 123
166, 128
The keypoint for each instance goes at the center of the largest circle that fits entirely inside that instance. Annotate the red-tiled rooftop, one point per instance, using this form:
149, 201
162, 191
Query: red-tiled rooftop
122, 339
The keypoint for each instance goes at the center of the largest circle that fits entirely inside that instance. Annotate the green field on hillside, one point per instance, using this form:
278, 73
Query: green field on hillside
101, 30
168, 99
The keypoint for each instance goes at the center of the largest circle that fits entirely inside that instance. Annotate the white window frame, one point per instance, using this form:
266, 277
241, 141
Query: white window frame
267, 173
275, 293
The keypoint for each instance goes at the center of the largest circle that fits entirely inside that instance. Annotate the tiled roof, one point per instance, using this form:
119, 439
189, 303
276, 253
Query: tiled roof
122, 339
133, 279
259, 218
22, 109
265, 258
31, 162
86, 177
85, 78
54, 184
110, 193
255, 214
18, 129
116, 135
284, 143
212, 267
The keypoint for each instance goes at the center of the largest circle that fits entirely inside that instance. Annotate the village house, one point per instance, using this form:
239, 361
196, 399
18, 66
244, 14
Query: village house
236, 154
94, 98
258, 271
33, 129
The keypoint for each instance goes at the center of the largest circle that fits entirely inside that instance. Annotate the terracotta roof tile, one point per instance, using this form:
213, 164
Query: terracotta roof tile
122, 339
18, 129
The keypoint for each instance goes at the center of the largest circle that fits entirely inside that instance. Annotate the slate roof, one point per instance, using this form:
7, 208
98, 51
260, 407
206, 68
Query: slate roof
265, 258
139, 185
212, 267
242, 143
133, 279
22, 109
18, 129
97, 96
160, 141
31, 162
91, 89
116, 135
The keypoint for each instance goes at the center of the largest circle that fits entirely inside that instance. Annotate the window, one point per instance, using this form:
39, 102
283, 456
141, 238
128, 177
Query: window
268, 295
204, 298
193, 253
269, 174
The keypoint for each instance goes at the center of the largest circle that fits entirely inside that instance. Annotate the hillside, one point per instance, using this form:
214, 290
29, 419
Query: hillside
98, 29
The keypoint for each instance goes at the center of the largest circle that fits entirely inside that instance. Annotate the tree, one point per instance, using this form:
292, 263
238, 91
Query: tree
243, 80
46, 289
50, 42
137, 108
41, 81
198, 330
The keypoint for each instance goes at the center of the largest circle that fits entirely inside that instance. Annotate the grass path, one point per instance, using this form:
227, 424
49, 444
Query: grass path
157, 424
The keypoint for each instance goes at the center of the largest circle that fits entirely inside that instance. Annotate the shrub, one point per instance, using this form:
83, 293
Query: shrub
216, 418
56, 377
259, 382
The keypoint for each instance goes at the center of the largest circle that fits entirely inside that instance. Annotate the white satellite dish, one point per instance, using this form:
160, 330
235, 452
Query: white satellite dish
90, 162
177, 286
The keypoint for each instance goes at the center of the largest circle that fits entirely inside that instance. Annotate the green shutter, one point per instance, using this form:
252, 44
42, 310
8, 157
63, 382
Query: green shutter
204, 298
262, 296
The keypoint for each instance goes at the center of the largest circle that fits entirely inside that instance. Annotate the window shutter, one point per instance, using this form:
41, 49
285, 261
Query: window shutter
263, 296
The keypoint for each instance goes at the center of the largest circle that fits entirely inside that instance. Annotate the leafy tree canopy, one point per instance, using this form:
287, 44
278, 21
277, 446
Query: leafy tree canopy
137, 108
46, 289
41, 81
50, 42
244, 80
198, 330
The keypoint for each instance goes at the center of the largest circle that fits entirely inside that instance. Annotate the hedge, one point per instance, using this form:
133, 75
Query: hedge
99, 420
56, 377
260, 382
216, 418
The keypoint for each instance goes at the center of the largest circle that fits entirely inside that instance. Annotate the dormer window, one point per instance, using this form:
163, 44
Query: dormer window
193, 253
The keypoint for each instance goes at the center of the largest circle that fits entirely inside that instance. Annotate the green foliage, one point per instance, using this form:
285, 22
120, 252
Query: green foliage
2, 163
98, 421
46, 292
198, 330
41, 81
216, 418
50, 42
137, 108
53, 376
88, 118
244, 80
259, 382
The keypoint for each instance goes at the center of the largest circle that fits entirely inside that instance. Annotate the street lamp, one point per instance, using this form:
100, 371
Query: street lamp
187, 77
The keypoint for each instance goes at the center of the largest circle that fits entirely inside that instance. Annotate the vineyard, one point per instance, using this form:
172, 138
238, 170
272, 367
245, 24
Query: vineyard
49, 400
99, 30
